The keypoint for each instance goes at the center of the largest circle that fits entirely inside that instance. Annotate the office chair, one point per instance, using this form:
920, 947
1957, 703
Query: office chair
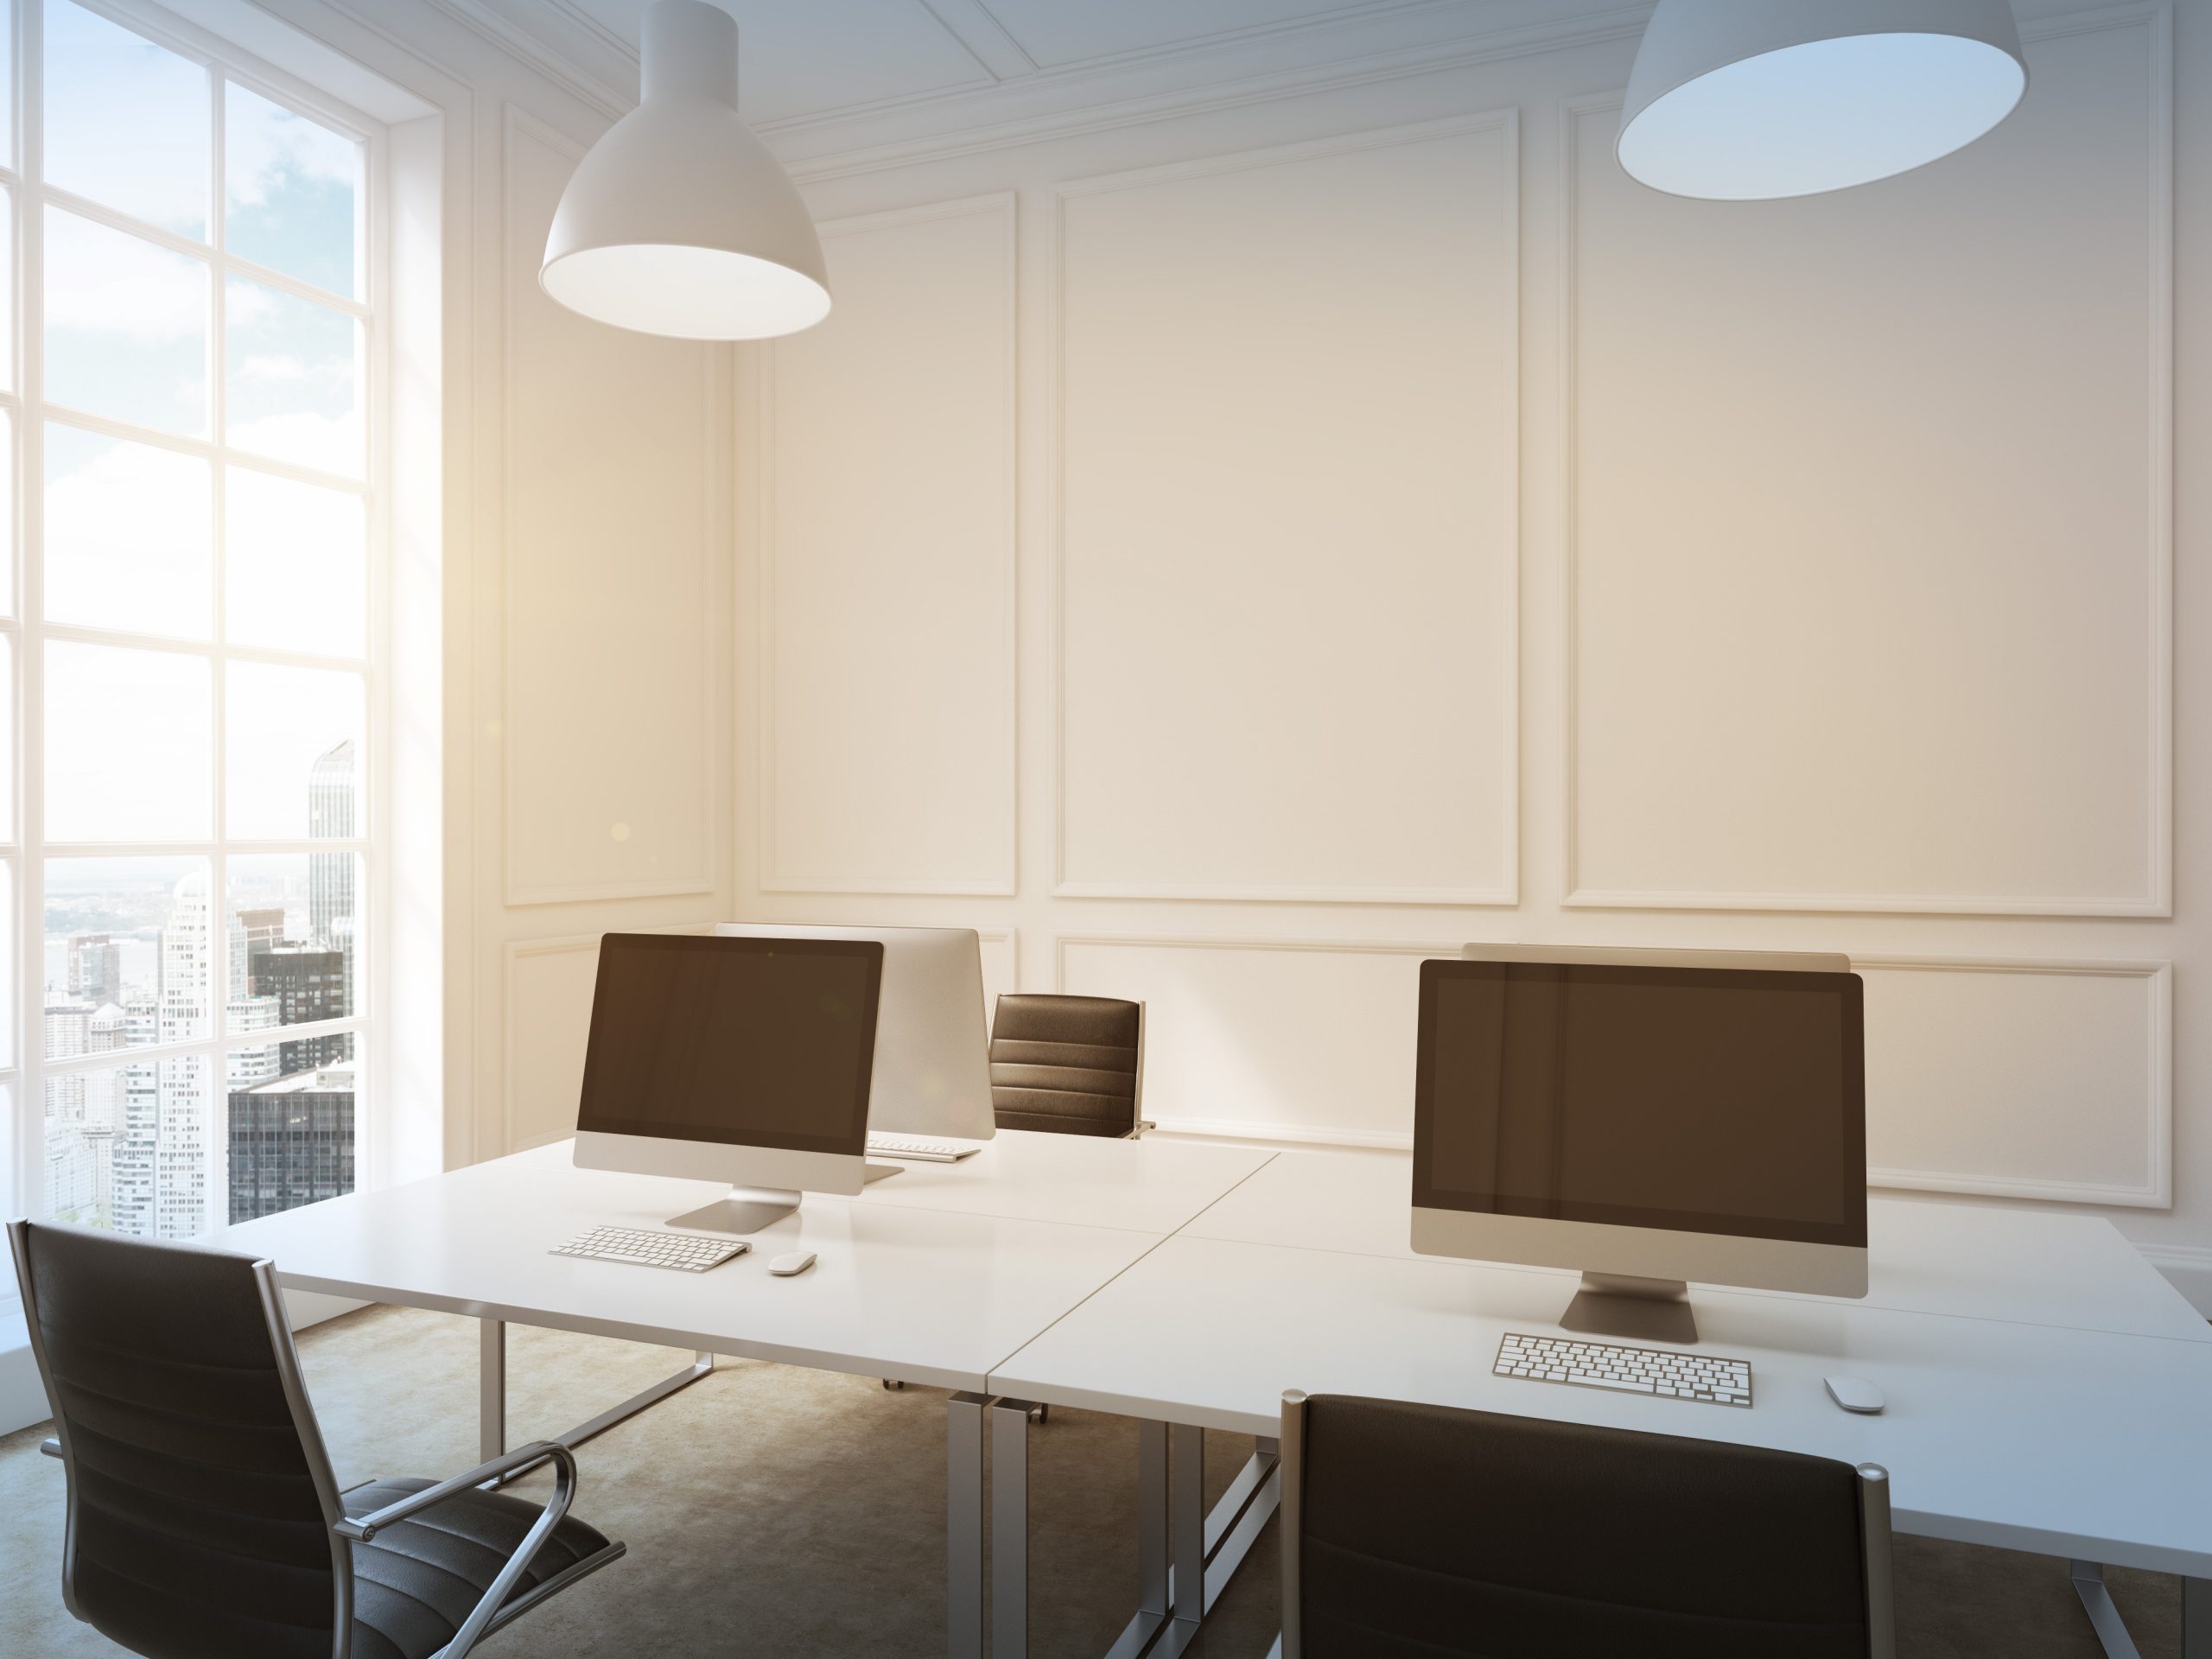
203, 1519
1414, 1532
1069, 1064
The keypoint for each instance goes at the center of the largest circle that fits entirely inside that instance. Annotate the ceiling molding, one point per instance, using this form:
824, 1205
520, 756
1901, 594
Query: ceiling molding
972, 23
1058, 115
574, 58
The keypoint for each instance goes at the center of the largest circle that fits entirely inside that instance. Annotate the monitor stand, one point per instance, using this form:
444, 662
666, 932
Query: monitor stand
1648, 1309
746, 1209
875, 1172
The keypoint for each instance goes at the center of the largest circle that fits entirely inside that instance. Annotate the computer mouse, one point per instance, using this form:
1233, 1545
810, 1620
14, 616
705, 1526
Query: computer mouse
794, 1261
1855, 1394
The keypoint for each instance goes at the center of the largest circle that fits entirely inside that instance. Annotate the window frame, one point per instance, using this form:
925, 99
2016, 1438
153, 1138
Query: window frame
23, 850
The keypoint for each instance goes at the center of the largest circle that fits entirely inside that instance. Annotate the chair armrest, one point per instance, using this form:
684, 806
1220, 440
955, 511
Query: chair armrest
51, 1446
362, 1529
479, 1621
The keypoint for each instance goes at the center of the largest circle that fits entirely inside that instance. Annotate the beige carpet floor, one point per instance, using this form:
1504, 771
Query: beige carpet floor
772, 1511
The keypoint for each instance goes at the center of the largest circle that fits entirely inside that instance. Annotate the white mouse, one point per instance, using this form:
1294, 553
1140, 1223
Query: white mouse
1855, 1394
794, 1261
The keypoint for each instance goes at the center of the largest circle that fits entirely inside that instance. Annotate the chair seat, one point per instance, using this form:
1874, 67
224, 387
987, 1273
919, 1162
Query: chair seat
419, 1579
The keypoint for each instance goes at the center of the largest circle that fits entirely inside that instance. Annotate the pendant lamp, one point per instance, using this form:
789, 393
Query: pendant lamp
679, 221
1749, 99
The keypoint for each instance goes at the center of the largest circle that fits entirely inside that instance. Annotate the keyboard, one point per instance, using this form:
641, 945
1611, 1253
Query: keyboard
1657, 1371
915, 1150
685, 1252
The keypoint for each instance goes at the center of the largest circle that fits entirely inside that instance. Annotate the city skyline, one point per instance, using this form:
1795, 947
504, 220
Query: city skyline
139, 1146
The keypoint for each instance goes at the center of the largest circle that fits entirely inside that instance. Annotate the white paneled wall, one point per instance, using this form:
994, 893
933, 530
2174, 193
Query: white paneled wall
1418, 533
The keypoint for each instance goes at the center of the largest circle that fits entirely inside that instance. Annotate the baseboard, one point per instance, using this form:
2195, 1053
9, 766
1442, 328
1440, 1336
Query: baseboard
1282, 1135
2188, 1268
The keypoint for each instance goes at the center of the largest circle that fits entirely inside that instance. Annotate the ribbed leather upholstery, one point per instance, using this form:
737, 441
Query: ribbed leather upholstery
197, 1532
1066, 1064
415, 1582
197, 1526
1429, 1531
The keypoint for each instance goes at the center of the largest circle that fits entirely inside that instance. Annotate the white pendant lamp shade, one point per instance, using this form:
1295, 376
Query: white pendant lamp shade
1747, 99
679, 221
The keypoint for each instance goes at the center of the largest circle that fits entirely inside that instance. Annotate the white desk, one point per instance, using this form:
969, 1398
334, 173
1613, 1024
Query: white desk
1973, 1261
2048, 1390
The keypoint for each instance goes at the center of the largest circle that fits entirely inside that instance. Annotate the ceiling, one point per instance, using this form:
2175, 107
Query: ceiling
801, 58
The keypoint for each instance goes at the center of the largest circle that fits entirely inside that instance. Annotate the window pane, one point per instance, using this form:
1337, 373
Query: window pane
298, 915
295, 566
128, 122
130, 534
291, 189
7, 972
128, 961
127, 1146
291, 1126
126, 327
129, 740
292, 379
291, 730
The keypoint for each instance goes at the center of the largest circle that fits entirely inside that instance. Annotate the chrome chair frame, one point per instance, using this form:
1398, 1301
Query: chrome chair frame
488, 1615
1873, 1535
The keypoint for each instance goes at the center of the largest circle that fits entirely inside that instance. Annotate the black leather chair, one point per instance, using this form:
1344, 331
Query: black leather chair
1068, 1065
1414, 1532
204, 1521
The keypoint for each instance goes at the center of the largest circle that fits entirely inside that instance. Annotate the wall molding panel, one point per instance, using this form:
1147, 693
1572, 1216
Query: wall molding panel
1304, 992
2007, 1099
532, 875
1497, 539
2153, 642
831, 801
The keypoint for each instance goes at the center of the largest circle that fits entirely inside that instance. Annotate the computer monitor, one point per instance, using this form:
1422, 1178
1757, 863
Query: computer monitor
741, 1060
1649, 1117
932, 1052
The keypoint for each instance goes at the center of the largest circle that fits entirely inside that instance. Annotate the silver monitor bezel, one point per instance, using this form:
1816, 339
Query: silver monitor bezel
1655, 1253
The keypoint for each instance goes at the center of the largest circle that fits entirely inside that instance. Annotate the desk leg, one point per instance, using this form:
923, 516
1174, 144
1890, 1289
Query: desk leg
491, 1389
1010, 1528
2196, 1619
1185, 1556
963, 1526
2104, 1618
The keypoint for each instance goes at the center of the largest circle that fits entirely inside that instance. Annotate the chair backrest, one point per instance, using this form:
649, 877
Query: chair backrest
1074, 1064
1414, 1531
200, 1499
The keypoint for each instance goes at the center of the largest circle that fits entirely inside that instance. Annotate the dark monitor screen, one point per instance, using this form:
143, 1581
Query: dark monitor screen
1697, 1100
743, 1042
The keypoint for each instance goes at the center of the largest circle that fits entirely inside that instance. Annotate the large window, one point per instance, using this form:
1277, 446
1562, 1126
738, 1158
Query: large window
191, 629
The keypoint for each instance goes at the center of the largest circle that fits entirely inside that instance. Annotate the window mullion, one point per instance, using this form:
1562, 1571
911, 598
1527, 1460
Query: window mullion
28, 459
219, 886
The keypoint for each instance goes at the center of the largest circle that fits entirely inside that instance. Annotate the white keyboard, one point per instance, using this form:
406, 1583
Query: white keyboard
915, 1150
686, 1252
1631, 1370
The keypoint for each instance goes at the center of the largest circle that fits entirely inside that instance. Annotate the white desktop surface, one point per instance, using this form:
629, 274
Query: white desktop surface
929, 1296
2026, 1436
1153, 1186
1974, 1261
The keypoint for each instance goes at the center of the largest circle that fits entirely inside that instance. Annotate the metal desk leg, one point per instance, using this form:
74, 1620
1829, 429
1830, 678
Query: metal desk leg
491, 1395
963, 1526
1009, 1420
2196, 1619
491, 1389
2104, 1618
1153, 1529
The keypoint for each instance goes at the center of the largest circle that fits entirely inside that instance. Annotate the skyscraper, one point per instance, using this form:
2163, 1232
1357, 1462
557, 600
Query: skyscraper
291, 1141
332, 796
94, 968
